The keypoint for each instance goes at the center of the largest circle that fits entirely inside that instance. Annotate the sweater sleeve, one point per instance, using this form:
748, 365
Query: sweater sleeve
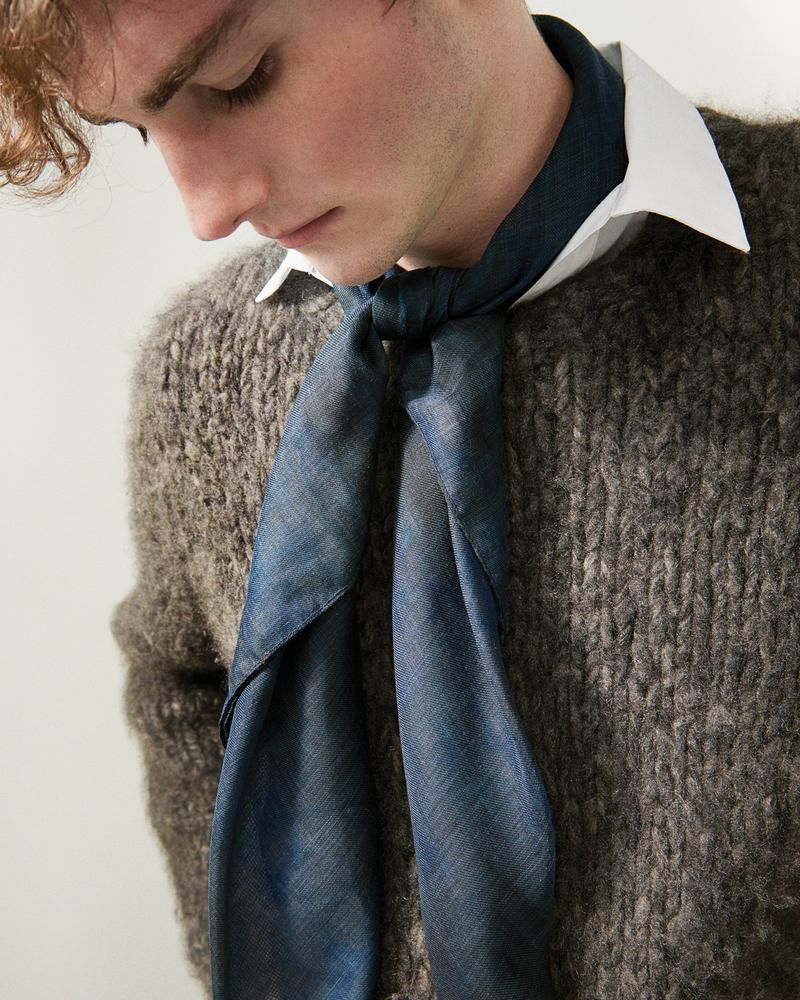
174, 683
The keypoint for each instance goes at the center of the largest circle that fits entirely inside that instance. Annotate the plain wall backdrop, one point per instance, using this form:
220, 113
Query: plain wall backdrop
88, 911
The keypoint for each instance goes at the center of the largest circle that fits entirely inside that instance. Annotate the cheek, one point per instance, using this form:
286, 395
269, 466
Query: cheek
357, 111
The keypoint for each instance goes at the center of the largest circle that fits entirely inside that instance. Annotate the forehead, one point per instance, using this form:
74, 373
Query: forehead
129, 43
127, 22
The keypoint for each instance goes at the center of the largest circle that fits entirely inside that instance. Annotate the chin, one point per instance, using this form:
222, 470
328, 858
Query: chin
344, 269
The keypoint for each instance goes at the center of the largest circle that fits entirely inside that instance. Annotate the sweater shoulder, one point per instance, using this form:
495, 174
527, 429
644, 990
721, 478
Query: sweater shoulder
215, 362
211, 329
761, 156
213, 381
737, 134
671, 286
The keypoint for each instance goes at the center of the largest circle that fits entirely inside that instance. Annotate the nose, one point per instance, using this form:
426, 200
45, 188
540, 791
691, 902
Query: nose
220, 181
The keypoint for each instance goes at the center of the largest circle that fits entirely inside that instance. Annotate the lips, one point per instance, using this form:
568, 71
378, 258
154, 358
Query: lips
294, 229
308, 232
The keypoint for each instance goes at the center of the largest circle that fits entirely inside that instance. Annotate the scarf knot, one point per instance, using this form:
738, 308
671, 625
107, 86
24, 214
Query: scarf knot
411, 304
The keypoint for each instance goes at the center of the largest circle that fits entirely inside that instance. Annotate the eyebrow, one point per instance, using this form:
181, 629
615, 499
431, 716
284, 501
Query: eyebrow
197, 52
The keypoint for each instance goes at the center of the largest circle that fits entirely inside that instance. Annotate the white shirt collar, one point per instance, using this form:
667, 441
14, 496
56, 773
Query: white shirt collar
673, 170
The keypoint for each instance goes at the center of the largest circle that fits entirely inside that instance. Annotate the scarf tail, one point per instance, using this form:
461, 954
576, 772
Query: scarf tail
481, 820
294, 886
294, 905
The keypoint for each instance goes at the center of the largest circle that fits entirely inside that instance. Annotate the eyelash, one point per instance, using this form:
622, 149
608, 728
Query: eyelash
253, 87
245, 94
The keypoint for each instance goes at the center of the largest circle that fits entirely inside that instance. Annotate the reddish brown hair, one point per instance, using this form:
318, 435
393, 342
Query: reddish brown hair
39, 43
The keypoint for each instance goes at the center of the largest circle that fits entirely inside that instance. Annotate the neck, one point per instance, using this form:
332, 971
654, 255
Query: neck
528, 96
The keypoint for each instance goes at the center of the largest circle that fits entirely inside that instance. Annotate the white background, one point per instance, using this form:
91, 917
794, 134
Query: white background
87, 907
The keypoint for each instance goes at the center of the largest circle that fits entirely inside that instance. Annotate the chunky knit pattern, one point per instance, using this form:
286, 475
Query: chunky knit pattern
653, 623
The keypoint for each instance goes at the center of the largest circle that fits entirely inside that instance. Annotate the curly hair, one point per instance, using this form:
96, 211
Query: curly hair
40, 42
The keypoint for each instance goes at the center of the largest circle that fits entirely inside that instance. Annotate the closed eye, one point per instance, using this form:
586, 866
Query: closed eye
246, 93
252, 89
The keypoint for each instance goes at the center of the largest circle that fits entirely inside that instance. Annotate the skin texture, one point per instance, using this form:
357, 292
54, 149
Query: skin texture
405, 116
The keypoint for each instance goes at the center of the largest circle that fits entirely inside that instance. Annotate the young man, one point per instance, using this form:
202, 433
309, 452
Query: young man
544, 421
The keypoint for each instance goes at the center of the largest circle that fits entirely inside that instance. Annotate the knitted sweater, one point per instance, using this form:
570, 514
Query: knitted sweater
652, 632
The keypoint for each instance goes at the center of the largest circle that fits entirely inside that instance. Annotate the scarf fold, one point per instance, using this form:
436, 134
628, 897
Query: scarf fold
294, 894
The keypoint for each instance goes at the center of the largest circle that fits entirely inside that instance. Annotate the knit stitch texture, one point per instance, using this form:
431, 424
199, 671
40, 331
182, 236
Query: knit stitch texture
652, 638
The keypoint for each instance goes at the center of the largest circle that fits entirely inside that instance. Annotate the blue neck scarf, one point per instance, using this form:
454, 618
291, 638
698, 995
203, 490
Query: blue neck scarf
294, 890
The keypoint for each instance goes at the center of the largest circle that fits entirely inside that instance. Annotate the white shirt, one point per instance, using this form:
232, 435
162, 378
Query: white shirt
673, 170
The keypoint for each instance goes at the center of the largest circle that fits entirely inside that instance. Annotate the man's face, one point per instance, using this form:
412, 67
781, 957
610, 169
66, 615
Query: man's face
367, 108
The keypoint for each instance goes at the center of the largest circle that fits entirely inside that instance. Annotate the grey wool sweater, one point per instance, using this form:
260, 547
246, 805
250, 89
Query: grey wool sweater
652, 637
